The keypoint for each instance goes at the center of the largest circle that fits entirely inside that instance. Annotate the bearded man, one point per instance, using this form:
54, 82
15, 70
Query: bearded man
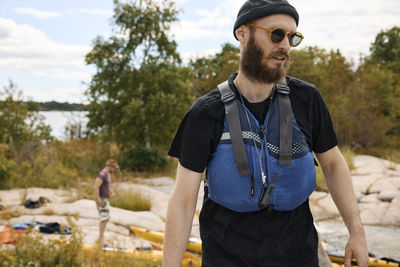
259, 215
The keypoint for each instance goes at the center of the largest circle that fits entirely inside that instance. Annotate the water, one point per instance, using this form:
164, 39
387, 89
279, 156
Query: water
58, 120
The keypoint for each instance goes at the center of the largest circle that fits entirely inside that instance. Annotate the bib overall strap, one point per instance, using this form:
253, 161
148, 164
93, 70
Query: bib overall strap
232, 116
285, 123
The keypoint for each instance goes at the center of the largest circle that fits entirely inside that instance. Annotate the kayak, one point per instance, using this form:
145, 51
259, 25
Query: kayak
338, 260
373, 262
194, 243
156, 255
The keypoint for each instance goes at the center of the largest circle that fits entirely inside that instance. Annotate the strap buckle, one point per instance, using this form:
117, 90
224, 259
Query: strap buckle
228, 97
282, 89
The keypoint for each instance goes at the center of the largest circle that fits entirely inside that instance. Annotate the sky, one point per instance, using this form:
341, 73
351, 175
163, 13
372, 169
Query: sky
43, 43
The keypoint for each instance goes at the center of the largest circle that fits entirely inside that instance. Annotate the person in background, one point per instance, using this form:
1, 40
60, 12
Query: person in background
261, 218
102, 192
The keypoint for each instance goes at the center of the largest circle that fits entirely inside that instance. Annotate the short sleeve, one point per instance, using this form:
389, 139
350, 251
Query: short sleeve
102, 175
323, 133
198, 133
196, 139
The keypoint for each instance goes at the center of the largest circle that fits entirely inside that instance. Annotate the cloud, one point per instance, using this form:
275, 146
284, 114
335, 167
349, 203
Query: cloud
26, 49
325, 24
191, 30
186, 57
351, 29
71, 75
101, 12
40, 14
204, 23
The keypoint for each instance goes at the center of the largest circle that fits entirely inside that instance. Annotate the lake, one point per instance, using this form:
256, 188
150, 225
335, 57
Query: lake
58, 120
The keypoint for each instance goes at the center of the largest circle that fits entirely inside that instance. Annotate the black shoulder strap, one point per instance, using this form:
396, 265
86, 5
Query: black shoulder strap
285, 123
235, 130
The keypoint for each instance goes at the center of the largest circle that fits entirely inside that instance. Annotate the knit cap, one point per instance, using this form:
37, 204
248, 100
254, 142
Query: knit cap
254, 9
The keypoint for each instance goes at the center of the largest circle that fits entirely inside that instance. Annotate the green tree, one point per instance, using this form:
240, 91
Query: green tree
18, 124
305, 64
386, 49
208, 72
382, 70
328, 70
357, 108
140, 90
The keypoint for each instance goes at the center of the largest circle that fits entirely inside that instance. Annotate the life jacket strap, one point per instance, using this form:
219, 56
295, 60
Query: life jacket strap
285, 123
232, 115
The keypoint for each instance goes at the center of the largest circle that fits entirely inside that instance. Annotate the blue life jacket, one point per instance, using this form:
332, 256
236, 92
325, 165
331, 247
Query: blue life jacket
294, 183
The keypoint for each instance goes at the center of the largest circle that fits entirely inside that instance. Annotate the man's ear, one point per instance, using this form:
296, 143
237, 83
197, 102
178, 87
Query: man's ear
242, 33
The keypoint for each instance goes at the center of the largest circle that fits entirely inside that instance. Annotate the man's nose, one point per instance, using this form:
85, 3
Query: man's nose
284, 44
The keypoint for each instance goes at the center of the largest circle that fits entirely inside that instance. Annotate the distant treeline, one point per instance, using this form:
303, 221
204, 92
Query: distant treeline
65, 106
56, 106
47, 106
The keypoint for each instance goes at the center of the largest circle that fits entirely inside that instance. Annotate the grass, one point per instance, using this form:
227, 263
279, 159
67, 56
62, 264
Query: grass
49, 212
84, 190
348, 155
7, 213
321, 184
389, 149
34, 250
169, 171
131, 201
75, 215
96, 257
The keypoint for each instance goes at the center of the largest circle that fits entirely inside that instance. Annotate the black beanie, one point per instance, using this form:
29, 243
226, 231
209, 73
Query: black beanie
254, 9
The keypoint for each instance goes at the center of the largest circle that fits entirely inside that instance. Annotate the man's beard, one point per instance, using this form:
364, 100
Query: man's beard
256, 70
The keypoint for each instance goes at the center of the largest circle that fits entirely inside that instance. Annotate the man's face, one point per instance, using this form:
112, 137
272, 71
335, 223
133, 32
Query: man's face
262, 60
111, 169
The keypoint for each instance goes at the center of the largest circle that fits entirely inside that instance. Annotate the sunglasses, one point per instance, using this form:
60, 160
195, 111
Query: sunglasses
277, 35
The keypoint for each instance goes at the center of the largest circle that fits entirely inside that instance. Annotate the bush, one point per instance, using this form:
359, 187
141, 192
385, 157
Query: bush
86, 156
7, 166
143, 159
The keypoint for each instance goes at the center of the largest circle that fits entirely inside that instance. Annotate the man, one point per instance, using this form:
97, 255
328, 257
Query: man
102, 193
239, 225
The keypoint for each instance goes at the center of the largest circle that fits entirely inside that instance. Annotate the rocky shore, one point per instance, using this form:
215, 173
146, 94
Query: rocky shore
376, 183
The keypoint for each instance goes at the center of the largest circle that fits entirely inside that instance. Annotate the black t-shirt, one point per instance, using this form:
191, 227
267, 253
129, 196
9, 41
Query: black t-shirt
250, 239
201, 128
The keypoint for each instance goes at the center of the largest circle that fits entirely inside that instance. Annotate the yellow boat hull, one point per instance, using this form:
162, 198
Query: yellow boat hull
194, 243
339, 261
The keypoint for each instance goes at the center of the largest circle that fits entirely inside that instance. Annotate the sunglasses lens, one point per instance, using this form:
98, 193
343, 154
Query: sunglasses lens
277, 35
295, 39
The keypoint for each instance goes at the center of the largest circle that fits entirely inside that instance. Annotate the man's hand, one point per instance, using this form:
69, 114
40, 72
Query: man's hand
99, 202
356, 248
